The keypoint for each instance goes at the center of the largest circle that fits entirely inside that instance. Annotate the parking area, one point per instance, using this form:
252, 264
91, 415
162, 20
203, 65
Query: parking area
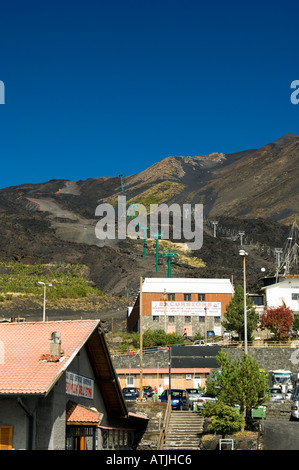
280, 435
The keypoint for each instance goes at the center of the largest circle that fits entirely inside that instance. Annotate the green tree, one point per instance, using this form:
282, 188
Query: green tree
160, 338
234, 315
198, 335
240, 382
295, 325
225, 419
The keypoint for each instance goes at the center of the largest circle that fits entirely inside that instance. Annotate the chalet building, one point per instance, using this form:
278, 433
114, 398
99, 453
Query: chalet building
181, 305
59, 389
282, 290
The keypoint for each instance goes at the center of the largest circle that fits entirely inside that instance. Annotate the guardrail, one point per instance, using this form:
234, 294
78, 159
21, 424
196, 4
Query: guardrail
262, 344
163, 432
258, 343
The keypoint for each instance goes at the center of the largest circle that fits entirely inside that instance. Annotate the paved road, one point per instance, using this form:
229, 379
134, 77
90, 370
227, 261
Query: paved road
281, 435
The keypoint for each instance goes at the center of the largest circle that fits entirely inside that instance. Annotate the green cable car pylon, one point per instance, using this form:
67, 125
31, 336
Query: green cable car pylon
144, 243
169, 255
156, 236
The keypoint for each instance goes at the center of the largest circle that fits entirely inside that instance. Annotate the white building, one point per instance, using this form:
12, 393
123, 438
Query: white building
284, 291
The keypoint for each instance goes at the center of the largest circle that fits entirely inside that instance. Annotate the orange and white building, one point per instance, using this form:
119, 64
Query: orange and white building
181, 305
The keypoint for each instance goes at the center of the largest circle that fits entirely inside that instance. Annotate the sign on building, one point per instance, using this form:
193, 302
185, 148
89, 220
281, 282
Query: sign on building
210, 309
79, 386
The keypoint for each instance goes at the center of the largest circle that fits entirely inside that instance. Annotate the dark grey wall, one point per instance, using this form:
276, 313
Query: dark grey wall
268, 358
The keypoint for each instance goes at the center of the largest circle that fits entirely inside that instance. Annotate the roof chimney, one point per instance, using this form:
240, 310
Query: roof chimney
55, 344
55, 349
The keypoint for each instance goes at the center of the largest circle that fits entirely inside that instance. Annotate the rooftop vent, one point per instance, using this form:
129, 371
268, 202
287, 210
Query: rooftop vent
55, 349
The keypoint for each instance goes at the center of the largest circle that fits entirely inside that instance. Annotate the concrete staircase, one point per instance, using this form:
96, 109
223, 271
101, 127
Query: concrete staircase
184, 430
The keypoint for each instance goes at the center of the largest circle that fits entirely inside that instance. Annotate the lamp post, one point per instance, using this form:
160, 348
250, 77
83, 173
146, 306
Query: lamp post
206, 339
45, 284
243, 253
164, 299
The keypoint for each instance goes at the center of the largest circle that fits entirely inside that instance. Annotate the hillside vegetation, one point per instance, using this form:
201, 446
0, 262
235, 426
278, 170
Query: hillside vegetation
68, 281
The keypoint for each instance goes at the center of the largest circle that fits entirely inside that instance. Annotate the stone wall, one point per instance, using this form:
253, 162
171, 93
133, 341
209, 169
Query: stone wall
270, 358
280, 410
150, 360
156, 413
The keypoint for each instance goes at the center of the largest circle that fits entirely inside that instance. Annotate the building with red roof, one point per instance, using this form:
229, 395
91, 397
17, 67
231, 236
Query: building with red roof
59, 389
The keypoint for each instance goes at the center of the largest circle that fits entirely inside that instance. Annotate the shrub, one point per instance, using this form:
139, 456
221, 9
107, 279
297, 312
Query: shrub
224, 418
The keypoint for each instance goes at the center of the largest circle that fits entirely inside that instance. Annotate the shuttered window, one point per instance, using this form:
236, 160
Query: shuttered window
5, 437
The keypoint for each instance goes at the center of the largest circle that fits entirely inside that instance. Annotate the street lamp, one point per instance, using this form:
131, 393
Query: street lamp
206, 339
244, 254
45, 284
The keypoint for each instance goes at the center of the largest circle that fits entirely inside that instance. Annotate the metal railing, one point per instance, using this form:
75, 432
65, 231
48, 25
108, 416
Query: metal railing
258, 343
163, 432
261, 344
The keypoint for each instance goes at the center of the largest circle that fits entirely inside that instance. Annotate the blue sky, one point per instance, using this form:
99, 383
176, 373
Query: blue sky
103, 87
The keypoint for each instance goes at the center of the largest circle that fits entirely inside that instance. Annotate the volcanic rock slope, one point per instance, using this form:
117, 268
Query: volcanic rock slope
254, 191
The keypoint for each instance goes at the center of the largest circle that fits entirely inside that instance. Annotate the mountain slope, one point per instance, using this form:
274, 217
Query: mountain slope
265, 183
252, 190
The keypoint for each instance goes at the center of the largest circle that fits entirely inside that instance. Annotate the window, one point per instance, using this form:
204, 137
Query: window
170, 296
171, 319
130, 381
201, 297
80, 438
217, 319
201, 319
257, 299
188, 319
295, 296
5, 437
155, 318
187, 297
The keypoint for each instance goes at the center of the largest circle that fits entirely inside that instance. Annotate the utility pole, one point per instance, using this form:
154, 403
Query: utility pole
215, 224
278, 252
165, 325
206, 340
169, 371
141, 340
45, 284
244, 254
241, 237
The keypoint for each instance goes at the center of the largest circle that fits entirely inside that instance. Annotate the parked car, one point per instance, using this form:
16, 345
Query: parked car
276, 394
210, 333
130, 393
198, 342
148, 391
288, 395
204, 398
179, 399
194, 394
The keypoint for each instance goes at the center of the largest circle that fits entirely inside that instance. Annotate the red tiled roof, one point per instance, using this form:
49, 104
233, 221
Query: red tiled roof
78, 414
22, 345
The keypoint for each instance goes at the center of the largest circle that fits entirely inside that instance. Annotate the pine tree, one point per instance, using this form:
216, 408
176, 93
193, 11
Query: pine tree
234, 315
240, 382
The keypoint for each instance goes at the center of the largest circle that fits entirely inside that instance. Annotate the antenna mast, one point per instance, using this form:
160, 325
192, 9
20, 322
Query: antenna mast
290, 252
